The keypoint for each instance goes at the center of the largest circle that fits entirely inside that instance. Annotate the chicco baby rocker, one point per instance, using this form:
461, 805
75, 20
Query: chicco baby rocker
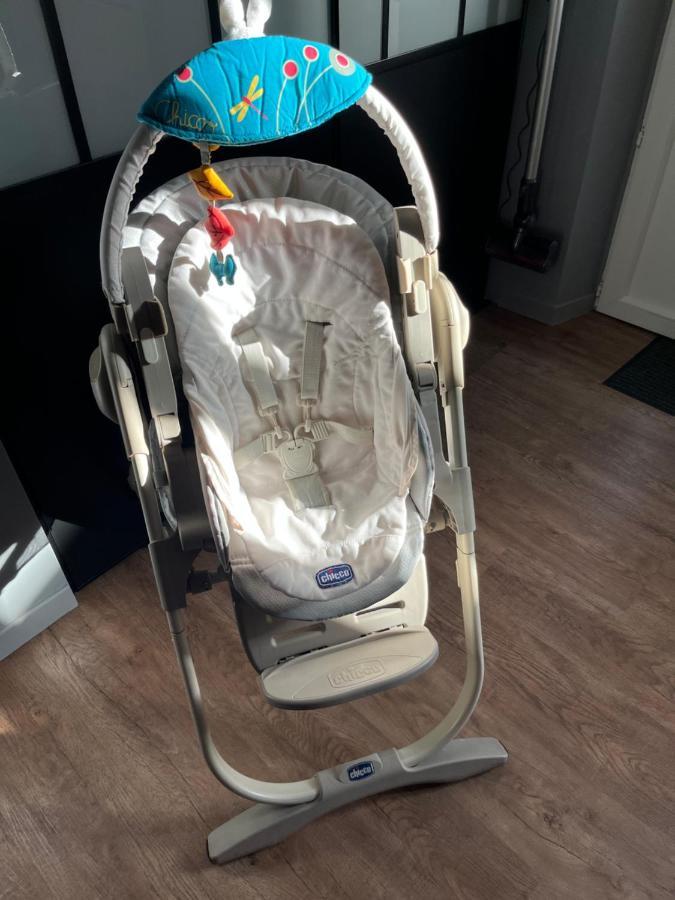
285, 366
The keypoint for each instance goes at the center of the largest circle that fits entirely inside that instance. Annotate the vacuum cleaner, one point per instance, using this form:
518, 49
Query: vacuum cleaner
518, 242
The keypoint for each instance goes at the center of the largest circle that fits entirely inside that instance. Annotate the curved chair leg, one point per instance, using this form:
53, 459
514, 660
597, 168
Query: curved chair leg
282, 793
460, 713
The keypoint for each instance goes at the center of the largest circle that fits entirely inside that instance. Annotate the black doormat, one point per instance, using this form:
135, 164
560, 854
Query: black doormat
649, 376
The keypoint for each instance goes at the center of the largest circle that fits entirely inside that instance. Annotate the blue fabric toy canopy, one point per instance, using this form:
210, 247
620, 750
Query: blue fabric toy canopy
255, 89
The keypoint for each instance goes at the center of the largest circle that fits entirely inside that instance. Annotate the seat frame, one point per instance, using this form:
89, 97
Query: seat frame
132, 382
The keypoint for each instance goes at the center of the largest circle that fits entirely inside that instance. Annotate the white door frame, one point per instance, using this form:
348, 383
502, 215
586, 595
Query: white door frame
655, 150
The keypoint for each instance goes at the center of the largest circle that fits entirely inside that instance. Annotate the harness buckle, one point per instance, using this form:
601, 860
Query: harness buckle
301, 473
270, 440
319, 430
297, 458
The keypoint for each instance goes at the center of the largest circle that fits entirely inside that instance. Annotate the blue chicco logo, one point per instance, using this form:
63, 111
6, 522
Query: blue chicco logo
333, 576
360, 770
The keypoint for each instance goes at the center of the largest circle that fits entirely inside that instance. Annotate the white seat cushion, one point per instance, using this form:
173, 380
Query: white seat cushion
299, 261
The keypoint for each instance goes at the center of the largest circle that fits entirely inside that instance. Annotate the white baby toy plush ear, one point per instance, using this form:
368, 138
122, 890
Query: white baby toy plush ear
236, 25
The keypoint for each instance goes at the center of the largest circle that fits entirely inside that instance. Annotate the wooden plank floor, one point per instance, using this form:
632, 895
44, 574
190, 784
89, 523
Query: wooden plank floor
102, 789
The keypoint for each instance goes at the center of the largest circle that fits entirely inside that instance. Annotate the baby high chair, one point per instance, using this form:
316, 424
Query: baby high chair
285, 365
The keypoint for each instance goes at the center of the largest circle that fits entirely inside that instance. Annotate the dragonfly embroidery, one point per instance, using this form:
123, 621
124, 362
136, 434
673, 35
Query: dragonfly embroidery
253, 93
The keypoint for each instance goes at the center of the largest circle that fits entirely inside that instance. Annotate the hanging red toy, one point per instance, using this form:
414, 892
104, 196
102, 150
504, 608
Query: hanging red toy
219, 227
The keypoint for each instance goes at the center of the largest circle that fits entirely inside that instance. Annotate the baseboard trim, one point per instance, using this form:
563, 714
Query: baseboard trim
20, 630
635, 313
541, 312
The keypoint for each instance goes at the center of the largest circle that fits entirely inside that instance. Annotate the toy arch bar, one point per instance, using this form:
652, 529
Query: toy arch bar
146, 138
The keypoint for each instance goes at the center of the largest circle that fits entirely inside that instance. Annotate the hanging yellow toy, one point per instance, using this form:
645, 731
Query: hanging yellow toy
209, 184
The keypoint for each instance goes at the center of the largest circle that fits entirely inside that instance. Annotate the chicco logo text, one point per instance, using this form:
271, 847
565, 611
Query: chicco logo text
333, 576
363, 671
360, 770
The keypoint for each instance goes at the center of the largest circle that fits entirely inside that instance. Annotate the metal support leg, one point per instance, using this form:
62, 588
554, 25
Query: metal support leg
459, 715
264, 791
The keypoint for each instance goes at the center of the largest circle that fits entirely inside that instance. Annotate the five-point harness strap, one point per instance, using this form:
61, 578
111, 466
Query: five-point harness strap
294, 451
310, 375
259, 374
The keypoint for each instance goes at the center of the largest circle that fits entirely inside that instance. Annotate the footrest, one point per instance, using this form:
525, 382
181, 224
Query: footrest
348, 671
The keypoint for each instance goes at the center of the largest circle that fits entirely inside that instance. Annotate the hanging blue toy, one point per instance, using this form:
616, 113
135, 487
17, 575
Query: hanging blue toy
223, 270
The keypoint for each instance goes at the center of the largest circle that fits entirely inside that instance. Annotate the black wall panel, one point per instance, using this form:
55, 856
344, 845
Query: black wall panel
457, 102
457, 99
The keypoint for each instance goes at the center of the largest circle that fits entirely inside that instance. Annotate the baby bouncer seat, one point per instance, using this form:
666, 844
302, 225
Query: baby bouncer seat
285, 366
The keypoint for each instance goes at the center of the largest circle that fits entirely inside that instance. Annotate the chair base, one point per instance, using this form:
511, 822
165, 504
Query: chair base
265, 824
